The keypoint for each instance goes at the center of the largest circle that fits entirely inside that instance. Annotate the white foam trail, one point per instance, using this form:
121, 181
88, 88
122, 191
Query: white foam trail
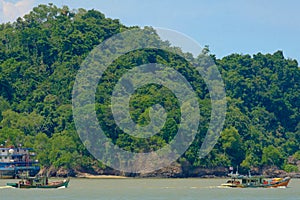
5, 187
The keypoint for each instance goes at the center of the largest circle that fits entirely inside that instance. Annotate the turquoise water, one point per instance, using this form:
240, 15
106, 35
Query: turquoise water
150, 189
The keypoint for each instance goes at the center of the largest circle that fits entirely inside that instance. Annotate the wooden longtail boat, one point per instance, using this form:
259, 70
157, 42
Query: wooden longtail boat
39, 182
241, 181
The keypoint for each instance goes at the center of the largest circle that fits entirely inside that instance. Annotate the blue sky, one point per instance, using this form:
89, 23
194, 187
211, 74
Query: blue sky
231, 26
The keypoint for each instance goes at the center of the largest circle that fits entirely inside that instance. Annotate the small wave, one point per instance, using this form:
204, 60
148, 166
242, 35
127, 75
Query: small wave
5, 187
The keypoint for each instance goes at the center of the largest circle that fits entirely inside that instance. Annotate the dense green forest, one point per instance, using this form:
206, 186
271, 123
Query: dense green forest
41, 53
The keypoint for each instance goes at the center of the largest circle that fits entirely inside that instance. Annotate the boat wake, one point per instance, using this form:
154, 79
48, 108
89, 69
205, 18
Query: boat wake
5, 187
195, 187
280, 187
205, 187
62, 187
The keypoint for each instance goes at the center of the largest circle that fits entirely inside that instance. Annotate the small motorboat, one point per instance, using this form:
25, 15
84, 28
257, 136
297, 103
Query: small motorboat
39, 182
241, 181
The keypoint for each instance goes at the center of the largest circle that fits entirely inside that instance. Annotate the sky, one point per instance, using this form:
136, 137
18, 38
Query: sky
229, 26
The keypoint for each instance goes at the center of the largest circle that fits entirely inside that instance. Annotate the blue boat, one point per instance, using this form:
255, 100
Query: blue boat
15, 160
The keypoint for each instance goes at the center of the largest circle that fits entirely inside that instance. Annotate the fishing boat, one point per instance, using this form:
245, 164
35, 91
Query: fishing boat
242, 181
14, 160
39, 182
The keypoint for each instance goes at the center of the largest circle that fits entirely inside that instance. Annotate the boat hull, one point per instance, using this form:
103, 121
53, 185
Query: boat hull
7, 173
12, 172
32, 170
283, 183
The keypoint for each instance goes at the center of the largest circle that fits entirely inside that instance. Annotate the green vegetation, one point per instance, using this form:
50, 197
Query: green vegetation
41, 54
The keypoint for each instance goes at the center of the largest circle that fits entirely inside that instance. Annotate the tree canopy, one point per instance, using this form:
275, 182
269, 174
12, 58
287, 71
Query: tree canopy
41, 53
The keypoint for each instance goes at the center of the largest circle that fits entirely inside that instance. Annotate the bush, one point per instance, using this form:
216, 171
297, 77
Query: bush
290, 168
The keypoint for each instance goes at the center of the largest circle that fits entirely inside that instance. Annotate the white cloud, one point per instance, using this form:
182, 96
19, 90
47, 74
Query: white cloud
10, 11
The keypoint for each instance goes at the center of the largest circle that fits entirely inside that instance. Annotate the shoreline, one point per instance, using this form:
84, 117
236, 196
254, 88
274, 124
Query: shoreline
170, 172
124, 177
90, 176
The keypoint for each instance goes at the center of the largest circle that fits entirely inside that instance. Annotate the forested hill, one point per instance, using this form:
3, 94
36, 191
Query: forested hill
41, 53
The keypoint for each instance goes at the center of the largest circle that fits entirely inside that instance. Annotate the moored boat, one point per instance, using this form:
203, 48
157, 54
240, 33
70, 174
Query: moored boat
241, 181
14, 160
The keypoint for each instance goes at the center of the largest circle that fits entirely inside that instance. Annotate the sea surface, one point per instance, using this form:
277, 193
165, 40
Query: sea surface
150, 189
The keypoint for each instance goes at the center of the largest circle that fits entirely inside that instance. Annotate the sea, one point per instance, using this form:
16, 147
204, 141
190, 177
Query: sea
150, 189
